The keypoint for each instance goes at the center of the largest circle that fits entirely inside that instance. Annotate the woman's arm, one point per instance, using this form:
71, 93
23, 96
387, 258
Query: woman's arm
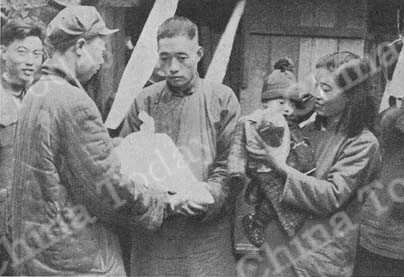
358, 164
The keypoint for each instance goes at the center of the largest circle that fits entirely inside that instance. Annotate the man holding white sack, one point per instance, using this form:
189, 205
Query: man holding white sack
200, 117
68, 192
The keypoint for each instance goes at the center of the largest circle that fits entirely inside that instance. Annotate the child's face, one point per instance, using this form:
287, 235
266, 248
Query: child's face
282, 105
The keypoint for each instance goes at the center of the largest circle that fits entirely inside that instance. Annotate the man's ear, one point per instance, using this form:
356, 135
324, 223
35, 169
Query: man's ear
79, 46
200, 53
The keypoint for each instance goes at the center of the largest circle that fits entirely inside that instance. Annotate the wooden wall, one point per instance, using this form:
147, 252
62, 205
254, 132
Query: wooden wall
104, 85
302, 30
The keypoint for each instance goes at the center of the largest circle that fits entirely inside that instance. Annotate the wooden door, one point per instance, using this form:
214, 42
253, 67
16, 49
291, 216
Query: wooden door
303, 30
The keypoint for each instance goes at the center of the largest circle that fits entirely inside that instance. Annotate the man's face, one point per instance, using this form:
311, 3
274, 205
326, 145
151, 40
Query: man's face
179, 57
22, 58
91, 58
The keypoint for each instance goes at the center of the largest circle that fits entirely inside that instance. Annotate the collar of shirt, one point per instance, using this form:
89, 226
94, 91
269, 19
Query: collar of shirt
16, 90
325, 124
56, 67
191, 87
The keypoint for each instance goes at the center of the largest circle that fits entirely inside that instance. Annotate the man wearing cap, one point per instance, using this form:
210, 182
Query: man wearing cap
68, 192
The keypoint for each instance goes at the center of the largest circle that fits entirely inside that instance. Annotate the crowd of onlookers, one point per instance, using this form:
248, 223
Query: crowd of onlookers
321, 168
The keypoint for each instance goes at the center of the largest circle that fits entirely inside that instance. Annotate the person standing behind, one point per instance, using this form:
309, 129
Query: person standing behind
381, 245
68, 191
381, 249
200, 117
21, 56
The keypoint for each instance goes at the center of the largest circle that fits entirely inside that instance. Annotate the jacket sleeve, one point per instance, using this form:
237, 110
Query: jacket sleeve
358, 163
132, 122
400, 123
94, 166
218, 182
237, 158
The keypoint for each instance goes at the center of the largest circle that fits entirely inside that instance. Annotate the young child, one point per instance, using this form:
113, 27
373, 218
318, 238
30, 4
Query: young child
280, 95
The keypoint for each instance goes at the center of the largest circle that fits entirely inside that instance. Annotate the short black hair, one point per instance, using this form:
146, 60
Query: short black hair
177, 26
19, 30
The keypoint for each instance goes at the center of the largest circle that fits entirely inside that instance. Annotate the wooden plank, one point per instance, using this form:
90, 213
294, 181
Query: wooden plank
305, 58
324, 46
233, 75
317, 13
141, 63
311, 50
312, 18
311, 32
307, 13
111, 72
257, 55
262, 15
218, 66
358, 9
356, 46
326, 13
284, 46
205, 39
120, 3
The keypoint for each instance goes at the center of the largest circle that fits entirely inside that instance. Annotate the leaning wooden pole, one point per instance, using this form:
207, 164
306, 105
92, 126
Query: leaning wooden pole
218, 66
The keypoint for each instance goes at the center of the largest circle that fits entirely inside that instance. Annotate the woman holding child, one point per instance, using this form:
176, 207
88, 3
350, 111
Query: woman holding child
309, 221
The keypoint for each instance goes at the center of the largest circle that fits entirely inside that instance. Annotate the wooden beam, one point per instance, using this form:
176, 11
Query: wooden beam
120, 3
312, 32
218, 67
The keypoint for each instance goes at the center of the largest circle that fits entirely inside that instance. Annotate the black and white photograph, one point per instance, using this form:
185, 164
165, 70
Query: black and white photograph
202, 138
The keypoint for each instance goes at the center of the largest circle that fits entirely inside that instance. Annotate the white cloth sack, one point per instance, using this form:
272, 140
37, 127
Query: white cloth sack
154, 161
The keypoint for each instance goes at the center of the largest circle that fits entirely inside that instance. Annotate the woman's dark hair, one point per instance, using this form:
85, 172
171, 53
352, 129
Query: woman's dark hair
19, 30
352, 74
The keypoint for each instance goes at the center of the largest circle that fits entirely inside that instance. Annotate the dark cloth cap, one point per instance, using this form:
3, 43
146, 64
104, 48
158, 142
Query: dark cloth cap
75, 22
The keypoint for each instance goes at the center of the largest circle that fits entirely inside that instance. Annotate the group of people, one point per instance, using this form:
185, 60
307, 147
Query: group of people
324, 184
